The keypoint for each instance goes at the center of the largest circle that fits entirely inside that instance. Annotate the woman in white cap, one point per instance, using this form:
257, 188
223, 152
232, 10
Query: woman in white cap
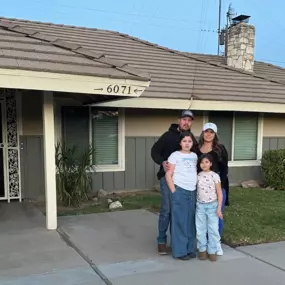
209, 144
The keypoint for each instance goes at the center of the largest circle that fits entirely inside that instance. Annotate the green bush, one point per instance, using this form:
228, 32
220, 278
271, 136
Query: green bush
273, 168
73, 179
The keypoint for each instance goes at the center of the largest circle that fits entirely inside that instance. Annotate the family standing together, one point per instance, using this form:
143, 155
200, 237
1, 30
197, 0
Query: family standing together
194, 187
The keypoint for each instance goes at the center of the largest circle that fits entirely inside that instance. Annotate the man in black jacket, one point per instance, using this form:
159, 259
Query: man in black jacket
161, 150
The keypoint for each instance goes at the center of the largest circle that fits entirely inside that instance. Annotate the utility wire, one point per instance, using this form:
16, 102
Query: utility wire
269, 60
114, 12
205, 36
203, 12
146, 24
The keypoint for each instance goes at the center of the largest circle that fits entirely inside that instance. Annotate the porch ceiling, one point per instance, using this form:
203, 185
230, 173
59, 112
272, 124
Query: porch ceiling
88, 99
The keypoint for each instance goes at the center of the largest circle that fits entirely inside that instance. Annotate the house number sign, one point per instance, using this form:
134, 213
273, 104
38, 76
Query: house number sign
119, 89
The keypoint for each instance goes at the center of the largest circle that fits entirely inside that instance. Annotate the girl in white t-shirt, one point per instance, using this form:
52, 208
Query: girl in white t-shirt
208, 210
182, 179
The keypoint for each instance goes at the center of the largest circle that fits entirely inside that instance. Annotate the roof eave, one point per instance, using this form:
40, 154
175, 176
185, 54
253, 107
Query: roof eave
99, 57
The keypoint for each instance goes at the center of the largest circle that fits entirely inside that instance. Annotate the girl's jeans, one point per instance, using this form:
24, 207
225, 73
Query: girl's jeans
207, 221
183, 231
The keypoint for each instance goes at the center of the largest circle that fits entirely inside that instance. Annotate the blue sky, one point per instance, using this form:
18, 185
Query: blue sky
175, 24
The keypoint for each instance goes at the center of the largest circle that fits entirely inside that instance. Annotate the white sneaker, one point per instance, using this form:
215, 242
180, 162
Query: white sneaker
219, 250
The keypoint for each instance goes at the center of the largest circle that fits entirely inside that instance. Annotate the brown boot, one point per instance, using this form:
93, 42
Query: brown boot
203, 255
162, 250
213, 257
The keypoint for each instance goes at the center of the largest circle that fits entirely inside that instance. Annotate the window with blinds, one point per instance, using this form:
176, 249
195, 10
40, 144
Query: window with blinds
75, 128
105, 136
80, 128
224, 122
245, 128
245, 136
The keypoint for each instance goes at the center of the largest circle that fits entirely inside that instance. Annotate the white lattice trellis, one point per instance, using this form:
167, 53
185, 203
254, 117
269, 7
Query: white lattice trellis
10, 144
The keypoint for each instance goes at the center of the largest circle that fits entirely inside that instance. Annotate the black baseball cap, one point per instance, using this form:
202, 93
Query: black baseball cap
187, 113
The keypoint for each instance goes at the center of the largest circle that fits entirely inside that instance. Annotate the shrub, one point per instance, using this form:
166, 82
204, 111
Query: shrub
273, 168
73, 174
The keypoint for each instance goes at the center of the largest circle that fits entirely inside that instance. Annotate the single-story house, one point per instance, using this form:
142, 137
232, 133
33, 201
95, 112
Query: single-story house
120, 93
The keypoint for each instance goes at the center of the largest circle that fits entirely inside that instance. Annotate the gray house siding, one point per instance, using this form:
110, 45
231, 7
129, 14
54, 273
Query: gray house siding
270, 143
140, 171
32, 167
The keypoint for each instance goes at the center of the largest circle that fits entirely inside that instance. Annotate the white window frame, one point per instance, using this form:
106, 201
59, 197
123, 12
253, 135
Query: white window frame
121, 134
121, 144
242, 163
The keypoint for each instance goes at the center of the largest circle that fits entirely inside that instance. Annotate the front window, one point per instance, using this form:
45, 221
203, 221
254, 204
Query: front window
102, 128
105, 130
238, 131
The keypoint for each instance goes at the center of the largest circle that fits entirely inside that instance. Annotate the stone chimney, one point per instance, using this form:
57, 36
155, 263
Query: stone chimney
240, 53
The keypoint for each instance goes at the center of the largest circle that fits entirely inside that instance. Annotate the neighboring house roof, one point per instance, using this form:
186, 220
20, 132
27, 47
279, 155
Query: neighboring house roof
29, 49
173, 74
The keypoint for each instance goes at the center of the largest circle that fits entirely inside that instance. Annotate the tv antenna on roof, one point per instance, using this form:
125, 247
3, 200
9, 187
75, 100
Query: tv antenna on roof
219, 26
222, 33
230, 15
231, 12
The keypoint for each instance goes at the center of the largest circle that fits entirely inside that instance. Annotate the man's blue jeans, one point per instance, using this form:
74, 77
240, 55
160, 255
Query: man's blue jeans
183, 230
221, 222
207, 221
165, 212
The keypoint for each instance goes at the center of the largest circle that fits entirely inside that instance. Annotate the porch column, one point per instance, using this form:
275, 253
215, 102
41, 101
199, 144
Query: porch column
49, 161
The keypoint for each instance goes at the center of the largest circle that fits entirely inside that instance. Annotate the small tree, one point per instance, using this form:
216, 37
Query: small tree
73, 174
273, 168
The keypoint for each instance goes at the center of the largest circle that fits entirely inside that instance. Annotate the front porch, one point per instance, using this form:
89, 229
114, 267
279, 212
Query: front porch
28, 170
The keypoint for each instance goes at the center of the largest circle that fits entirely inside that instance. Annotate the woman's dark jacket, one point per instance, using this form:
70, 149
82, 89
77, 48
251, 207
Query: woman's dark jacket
220, 166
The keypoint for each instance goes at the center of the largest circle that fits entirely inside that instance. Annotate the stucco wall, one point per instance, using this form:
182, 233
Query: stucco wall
138, 122
274, 125
146, 122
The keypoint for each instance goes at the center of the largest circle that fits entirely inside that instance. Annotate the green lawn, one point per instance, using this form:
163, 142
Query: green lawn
255, 215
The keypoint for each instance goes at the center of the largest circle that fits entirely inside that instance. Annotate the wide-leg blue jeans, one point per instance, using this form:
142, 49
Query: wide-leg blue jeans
221, 222
183, 229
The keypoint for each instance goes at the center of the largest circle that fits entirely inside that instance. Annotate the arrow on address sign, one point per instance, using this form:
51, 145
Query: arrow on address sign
137, 90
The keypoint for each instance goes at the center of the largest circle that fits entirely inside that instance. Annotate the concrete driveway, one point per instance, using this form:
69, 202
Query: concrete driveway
31, 255
121, 247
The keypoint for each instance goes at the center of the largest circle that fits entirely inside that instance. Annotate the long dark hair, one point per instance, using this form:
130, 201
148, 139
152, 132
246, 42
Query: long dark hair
205, 156
186, 134
216, 146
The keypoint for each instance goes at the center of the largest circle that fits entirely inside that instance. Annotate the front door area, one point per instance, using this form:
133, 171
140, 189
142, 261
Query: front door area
10, 186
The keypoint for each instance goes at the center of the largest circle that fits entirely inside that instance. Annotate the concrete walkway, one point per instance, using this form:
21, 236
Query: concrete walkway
271, 253
122, 247
116, 248
31, 255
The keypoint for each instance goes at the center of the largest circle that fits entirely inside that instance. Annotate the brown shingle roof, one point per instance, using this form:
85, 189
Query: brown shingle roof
174, 74
262, 69
24, 48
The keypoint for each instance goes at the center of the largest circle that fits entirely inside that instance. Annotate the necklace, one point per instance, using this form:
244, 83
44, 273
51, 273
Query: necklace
206, 149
